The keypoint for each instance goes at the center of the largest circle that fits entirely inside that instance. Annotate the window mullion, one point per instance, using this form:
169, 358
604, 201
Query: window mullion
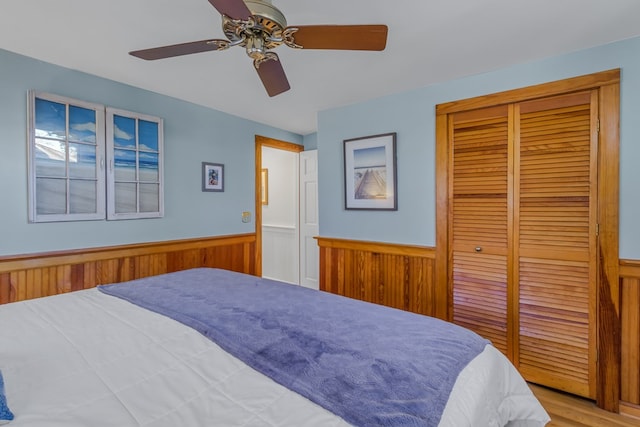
66, 161
137, 165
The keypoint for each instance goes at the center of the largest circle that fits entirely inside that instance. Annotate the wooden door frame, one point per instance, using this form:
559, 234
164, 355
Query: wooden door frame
263, 141
608, 299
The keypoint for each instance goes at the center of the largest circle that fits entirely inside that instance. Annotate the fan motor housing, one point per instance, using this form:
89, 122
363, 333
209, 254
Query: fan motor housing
268, 24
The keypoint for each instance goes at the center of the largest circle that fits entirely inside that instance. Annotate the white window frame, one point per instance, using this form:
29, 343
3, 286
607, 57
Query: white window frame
111, 181
105, 155
99, 165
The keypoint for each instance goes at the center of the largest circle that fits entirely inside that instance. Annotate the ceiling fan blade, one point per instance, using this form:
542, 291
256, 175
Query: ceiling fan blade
342, 37
180, 49
272, 75
234, 9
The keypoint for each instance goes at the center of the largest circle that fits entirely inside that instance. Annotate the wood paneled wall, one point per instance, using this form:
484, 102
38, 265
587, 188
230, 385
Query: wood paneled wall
43, 274
398, 276
630, 331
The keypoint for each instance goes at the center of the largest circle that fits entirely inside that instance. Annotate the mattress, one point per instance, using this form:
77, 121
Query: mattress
90, 359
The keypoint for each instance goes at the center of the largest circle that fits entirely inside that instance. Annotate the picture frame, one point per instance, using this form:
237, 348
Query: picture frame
212, 176
370, 173
264, 186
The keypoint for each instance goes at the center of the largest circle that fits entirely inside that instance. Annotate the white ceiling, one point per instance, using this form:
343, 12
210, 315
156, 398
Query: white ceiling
429, 41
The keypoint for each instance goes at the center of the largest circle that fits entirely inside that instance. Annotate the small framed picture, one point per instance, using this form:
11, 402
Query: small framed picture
370, 173
212, 176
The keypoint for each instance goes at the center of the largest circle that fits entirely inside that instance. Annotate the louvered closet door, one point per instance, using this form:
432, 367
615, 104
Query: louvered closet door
479, 225
555, 240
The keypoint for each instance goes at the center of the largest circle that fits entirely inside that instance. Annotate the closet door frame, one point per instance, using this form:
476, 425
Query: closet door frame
608, 302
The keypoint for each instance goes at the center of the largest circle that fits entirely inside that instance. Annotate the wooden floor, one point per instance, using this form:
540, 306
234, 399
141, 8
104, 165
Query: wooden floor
569, 411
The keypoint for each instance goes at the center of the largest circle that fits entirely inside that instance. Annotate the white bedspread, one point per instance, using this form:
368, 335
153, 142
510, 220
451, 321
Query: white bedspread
87, 359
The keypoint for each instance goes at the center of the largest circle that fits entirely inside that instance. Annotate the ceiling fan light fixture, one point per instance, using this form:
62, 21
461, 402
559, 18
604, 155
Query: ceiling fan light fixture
255, 47
260, 27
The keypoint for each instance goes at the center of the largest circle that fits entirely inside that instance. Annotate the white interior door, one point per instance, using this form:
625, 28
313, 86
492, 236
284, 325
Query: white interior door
309, 253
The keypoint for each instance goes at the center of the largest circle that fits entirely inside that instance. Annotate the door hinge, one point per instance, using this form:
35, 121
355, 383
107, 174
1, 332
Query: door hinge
598, 126
597, 230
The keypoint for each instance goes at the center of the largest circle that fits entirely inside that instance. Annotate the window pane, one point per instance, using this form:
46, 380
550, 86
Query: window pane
125, 165
148, 166
82, 196
51, 196
82, 161
126, 198
124, 132
149, 198
147, 135
51, 119
82, 124
50, 157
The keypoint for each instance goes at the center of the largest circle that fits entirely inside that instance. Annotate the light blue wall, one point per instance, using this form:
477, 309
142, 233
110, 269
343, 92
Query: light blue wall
193, 134
311, 141
412, 116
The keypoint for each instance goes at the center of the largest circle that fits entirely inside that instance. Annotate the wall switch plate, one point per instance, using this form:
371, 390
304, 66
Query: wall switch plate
246, 217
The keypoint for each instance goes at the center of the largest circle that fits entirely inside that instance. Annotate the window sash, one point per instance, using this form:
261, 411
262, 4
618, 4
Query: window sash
71, 177
127, 156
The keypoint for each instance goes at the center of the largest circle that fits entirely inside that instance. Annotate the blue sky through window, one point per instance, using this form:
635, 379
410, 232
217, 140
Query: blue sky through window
148, 135
124, 132
51, 119
82, 124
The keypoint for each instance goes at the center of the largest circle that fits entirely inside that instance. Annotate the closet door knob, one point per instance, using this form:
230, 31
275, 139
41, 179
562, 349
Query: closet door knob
478, 249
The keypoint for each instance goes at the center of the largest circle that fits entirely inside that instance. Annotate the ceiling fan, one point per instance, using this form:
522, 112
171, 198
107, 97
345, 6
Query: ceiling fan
259, 27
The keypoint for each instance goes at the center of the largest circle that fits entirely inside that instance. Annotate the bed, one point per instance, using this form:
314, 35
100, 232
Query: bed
209, 347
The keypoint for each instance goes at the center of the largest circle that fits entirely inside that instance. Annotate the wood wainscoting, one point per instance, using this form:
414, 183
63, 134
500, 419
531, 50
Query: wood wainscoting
36, 275
399, 276
630, 331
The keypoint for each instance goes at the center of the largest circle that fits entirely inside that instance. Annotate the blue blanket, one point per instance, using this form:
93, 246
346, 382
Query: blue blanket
369, 364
